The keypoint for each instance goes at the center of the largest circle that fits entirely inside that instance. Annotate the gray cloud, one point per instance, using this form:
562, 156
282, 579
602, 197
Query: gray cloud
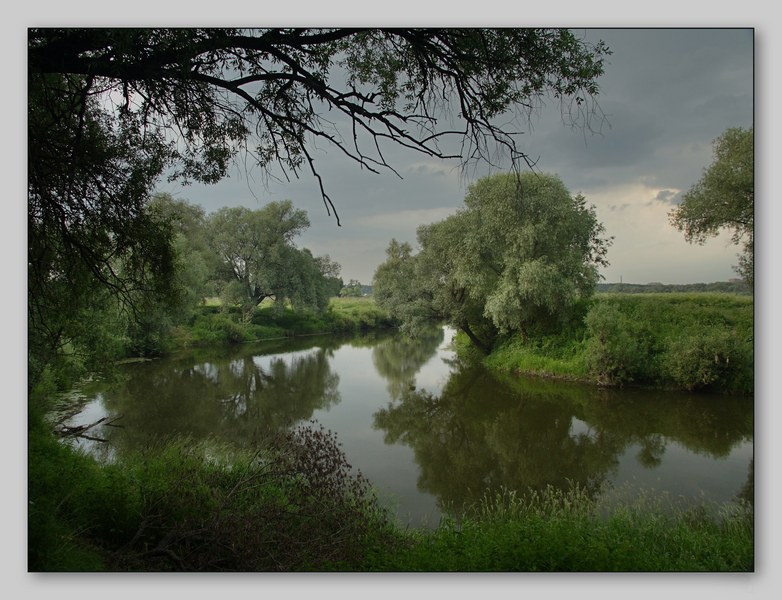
667, 94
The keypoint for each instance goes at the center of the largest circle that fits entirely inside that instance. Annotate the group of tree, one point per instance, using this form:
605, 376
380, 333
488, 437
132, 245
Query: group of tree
110, 111
522, 256
244, 257
352, 289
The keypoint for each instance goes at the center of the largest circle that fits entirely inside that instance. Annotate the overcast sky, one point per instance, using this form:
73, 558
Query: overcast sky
667, 94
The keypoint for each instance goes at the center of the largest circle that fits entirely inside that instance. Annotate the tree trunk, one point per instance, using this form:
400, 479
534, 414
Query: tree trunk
465, 327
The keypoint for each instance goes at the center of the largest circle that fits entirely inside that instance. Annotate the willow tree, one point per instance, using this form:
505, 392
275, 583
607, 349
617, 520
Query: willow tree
259, 258
520, 257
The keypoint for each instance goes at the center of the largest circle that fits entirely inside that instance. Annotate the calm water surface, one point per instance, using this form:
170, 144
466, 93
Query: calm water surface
428, 431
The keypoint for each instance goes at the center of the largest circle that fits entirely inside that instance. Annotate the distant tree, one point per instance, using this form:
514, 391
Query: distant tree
330, 269
520, 257
353, 289
724, 198
260, 260
196, 260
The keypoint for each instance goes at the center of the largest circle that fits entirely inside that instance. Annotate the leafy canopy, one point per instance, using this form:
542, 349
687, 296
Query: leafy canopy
519, 257
208, 94
259, 259
724, 198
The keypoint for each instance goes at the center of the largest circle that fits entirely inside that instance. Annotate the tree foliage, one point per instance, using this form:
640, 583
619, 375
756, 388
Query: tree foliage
724, 198
259, 259
521, 256
95, 254
212, 93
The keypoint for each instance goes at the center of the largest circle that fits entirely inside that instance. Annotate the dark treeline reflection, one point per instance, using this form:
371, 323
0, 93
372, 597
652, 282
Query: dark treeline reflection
234, 397
483, 433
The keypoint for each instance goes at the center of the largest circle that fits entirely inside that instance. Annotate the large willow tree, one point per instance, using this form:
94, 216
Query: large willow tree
520, 257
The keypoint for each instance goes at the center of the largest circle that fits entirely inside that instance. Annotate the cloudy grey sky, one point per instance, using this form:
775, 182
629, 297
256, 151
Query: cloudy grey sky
667, 93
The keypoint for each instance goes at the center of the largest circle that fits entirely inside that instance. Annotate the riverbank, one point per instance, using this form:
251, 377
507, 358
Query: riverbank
201, 506
213, 325
690, 341
294, 505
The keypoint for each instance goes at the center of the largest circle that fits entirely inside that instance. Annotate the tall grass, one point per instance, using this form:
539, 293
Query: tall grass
693, 341
293, 505
567, 531
296, 505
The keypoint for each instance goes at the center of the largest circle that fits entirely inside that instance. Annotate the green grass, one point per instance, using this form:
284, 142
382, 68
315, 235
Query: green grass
556, 531
693, 341
294, 505
215, 324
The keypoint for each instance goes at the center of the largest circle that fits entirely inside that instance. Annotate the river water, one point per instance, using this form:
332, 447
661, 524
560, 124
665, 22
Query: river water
429, 431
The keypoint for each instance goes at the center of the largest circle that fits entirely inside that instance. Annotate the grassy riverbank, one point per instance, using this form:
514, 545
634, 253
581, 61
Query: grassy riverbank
213, 324
295, 506
692, 341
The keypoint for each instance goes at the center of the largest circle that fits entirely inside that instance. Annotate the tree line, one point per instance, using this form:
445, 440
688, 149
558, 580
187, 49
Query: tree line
242, 256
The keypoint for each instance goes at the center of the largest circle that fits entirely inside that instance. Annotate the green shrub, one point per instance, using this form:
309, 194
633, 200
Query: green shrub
218, 329
293, 504
618, 348
707, 360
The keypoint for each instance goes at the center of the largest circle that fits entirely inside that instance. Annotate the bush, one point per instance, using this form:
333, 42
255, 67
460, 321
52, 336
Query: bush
217, 329
293, 504
618, 350
707, 360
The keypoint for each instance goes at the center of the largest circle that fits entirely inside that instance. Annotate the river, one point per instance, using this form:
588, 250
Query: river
427, 430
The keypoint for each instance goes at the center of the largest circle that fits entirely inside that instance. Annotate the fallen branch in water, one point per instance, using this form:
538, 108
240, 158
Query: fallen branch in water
79, 431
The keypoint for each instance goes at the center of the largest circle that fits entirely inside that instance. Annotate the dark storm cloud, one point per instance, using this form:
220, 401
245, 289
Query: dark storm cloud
666, 95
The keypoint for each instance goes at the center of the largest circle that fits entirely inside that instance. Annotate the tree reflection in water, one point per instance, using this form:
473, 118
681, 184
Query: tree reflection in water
475, 433
484, 432
236, 398
399, 358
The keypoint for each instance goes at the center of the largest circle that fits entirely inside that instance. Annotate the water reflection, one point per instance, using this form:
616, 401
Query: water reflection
234, 398
430, 431
398, 358
483, 433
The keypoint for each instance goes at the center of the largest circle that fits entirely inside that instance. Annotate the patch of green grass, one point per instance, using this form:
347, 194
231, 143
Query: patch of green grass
552, 356
216, 325
555, 531
694, 341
